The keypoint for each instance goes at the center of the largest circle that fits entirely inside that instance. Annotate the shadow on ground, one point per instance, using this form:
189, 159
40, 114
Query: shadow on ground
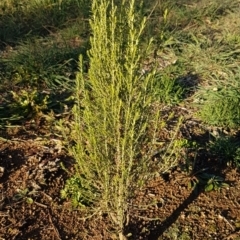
159, 229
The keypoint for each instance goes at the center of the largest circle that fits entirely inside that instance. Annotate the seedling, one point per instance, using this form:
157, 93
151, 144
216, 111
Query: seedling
24, 195
206, 180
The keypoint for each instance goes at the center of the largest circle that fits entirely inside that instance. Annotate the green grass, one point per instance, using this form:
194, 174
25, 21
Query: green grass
221, 104
22, 19
226, 150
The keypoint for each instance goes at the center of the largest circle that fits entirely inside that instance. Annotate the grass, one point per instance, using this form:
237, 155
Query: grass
21, 19
194, 53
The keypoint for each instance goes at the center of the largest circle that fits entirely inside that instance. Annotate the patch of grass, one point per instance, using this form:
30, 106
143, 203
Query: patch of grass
169, 90
43, 64
210, 49
226, 150
42, 60
220, 104
21, 19
195, 32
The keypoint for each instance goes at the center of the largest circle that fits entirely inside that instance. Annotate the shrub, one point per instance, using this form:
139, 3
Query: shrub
114, 117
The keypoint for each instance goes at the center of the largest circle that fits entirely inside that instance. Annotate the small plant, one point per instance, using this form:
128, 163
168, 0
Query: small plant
24, 194
114, 117
28, 104
170, 92
225, 149
213, 182
75, 189
23, 105
36, 61
206, 180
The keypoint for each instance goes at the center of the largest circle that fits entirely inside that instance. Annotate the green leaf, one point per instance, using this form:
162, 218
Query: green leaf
29, 200
209, 187
224, 185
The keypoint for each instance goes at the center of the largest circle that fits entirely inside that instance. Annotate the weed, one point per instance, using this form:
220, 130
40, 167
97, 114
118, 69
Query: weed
28, 104
207, 181
169, 90
75, 188
201, 178
224, 148
23, 105
25, 195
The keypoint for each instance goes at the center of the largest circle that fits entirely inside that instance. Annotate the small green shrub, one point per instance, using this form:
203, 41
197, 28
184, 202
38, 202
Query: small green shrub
224, 148
115, 119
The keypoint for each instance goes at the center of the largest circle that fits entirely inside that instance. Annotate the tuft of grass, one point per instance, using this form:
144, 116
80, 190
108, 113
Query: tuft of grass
226, 150
220, 104
169, 90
